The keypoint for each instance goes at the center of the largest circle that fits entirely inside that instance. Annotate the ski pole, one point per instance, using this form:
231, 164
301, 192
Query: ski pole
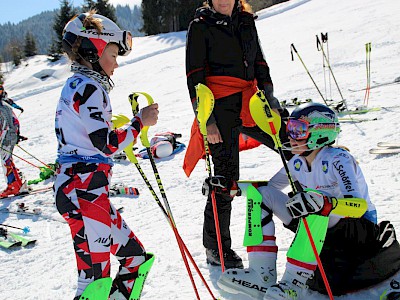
368, 68
292, 48
324, 39
133, 159
270, 123
20, 157
330, 69
205, 105
25, 229
145, 141
46, 165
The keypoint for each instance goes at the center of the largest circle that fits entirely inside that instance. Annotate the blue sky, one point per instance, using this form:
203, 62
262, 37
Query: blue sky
17, 10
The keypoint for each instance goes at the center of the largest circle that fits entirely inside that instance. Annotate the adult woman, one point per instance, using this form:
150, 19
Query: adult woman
356, 253
223, 52
86, 143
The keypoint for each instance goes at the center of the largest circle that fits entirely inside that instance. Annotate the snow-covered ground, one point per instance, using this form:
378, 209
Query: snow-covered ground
156, 66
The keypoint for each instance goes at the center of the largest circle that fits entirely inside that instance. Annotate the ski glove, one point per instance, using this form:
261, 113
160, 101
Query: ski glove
221, 186
304, 203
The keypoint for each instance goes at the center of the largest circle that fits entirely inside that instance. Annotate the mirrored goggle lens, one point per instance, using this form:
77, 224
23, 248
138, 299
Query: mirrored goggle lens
297, 130
128, 40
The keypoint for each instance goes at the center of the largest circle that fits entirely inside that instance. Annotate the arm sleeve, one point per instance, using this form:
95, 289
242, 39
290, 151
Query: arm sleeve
344, 168
90, 100
196, 59
279, 180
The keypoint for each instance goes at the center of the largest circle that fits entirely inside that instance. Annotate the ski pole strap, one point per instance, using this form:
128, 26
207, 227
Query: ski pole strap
324, 37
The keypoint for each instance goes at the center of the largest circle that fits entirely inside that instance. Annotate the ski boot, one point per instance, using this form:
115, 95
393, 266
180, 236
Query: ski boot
291, 286
253, 281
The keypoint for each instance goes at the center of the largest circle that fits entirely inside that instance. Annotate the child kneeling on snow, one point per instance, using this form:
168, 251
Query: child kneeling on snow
355, 252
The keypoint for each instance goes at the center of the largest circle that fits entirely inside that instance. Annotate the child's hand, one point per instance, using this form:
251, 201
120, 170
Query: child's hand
149, 115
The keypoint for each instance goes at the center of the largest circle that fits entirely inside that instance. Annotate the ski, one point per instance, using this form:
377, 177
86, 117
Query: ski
35, 212
6, 241
24, 240
389, 144
123, 190
12, 239
359, 110
396, 81
355, 120
386, 148
29, 192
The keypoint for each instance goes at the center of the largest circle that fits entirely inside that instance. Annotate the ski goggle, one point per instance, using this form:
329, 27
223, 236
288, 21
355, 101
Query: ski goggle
300, 129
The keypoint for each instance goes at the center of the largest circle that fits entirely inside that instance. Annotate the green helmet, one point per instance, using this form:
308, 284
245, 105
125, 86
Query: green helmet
314, 122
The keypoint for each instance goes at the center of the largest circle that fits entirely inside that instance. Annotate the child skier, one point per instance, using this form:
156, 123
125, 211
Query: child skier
86, 143
9, 137
356, 253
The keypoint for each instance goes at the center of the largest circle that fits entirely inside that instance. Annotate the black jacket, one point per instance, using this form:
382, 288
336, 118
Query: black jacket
219, 45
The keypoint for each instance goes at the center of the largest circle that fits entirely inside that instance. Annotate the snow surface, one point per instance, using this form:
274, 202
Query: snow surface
47, 270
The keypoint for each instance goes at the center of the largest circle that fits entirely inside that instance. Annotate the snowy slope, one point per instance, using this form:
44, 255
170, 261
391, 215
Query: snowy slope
47, 270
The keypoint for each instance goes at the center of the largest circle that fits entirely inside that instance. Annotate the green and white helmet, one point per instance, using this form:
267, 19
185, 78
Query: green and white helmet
314, 122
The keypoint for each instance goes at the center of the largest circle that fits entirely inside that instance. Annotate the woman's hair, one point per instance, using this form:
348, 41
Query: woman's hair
89, 22
243, 3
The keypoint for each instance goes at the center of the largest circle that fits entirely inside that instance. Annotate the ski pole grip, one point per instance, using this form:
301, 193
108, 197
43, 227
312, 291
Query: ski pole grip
293, 47
319, 46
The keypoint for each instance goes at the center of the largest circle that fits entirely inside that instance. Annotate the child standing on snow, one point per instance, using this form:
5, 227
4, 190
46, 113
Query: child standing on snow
9, 137
86, 143
356, 253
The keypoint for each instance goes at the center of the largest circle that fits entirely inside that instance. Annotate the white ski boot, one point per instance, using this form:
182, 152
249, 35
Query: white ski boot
292, 286
253, 281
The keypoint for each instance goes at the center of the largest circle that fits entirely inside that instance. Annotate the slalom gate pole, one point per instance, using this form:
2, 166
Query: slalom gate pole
270, 122
330, 69
368, 68
145, 141
205, 105
152, 191
292, 48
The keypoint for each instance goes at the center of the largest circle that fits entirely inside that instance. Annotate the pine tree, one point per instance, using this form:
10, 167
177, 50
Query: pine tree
167, 15
64, 15
152, 17
187, 9
1, 73
16, 55
30, 45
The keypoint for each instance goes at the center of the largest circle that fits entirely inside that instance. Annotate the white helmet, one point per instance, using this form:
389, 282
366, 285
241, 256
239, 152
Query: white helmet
93, 43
